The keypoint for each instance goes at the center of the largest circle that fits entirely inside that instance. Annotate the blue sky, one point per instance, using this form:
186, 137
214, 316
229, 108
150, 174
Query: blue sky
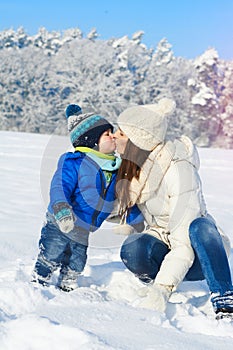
190, 26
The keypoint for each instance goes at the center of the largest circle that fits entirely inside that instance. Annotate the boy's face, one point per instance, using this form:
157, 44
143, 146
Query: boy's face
107, 143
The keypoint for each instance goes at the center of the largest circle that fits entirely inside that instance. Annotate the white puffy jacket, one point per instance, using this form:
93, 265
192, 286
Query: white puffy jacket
169, 194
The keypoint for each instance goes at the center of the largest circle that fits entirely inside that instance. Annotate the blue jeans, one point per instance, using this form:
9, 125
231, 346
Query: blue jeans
207, 243
143, 255
58, 250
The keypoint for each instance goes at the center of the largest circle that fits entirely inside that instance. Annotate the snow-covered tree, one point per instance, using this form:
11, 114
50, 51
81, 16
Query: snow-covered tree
163, 53
50, 42
41, 74
226, 105
92, 35
205, 90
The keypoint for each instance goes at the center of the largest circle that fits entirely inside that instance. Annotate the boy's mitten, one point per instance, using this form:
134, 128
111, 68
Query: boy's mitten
156, 297
64, 216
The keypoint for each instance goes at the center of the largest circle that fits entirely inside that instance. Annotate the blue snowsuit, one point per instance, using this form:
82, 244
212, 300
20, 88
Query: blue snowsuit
80, 182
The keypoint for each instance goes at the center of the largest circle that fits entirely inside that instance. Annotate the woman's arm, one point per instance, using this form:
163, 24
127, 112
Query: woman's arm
185, 204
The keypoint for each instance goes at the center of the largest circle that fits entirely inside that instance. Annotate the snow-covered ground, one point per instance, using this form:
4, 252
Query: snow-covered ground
102, 313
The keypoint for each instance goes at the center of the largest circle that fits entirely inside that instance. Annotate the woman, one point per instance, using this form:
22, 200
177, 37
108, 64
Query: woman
181, 240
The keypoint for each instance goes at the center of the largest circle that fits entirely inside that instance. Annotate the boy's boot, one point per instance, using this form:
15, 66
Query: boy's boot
68, 279
43, 280
43, 271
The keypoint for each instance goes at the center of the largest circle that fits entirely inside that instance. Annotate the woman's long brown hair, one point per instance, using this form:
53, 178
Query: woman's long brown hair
132, 162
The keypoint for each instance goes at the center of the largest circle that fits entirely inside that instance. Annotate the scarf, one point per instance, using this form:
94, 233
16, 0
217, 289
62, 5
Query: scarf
107, 162
152, 173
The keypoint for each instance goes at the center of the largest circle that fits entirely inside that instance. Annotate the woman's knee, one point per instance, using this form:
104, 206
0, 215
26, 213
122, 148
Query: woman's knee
203, 230
141, 248
130, 246
202, 226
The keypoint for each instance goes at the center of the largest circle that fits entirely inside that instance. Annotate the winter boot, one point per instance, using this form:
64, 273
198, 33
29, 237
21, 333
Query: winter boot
43, 280
43, 270
223, 305
67, 280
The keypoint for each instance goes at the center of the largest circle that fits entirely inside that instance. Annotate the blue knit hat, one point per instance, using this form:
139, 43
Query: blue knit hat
73, 110
85, 129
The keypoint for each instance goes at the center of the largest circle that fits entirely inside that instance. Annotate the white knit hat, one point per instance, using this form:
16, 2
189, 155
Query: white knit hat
146, 125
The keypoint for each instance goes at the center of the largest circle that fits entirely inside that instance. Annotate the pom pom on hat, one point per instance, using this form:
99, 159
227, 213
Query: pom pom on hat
164, 107
85, 128
73, 110
146, 125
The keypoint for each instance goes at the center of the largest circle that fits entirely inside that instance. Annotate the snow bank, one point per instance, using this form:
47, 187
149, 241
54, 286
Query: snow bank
103, 312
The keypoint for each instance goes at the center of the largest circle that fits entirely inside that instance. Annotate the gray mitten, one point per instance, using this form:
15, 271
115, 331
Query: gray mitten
64, 216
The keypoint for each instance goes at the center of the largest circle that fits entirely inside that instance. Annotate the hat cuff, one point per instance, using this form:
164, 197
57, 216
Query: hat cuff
141, 138
92, 136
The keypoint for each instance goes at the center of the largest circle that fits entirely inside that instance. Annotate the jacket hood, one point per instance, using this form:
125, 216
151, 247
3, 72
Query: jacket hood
186, 150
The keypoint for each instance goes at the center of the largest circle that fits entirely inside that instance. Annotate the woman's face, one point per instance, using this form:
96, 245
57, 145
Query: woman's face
121, 141
107, 142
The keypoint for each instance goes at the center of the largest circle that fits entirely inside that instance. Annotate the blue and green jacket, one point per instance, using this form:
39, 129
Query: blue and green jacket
82, 180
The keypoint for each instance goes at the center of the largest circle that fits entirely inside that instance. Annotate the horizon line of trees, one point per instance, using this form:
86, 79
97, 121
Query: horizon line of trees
41, 74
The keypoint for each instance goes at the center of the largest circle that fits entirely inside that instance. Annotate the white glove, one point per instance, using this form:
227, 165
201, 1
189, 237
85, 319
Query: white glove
156, 297
64, 217
66, 225
123, 229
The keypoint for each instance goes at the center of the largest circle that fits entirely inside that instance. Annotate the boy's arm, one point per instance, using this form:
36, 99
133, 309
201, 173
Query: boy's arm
62, 186
63, 182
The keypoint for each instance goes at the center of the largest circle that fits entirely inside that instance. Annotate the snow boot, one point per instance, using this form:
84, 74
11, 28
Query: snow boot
43, 280
223, 305
43, 270
68, 279
224, 314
